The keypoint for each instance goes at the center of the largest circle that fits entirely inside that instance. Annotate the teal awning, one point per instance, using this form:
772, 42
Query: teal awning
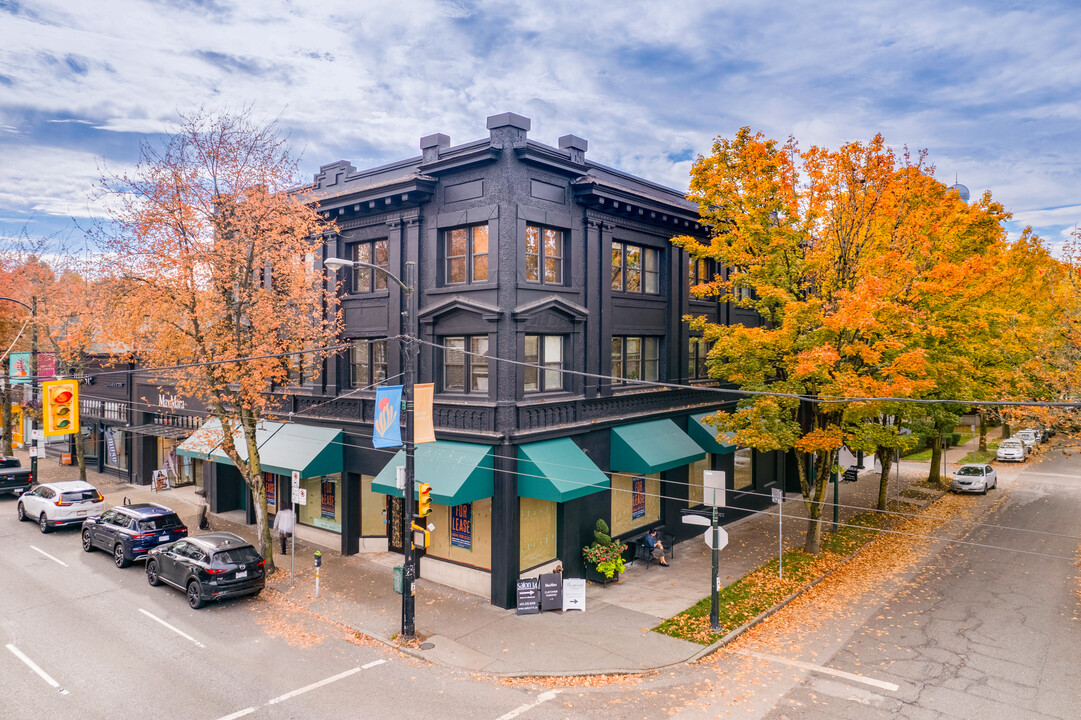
557, 470
458, 472
651, 447
283, 447
708, 438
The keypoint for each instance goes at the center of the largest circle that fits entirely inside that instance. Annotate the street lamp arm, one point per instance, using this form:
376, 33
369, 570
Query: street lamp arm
336, 263
24, 304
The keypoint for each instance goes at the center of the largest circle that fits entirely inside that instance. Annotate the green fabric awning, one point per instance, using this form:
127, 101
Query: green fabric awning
557, 470
458, 472
706, 436
283, 447
651, 447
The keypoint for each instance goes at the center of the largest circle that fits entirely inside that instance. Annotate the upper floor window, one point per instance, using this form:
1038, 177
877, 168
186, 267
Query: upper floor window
465, 251
697, 351
543, 255
368, 363
374, 252
465, 367
699, 270
545, 351
636, 358
636, 269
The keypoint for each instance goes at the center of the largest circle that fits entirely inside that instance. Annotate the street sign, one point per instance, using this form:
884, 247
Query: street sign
713, 488
296, 478
696, 520
300, 496
37, 434
778, 496
722, 538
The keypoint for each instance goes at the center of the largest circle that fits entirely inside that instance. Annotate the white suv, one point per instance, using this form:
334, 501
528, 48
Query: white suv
60, 503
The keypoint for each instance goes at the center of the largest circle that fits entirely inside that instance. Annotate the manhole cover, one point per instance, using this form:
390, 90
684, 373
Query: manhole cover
427, 646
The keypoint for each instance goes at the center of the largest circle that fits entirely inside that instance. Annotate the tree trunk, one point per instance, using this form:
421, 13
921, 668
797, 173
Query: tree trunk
983, 432
1005, 431
885, 457
935, 474
814, 497
80, 454
264, 540
5, 399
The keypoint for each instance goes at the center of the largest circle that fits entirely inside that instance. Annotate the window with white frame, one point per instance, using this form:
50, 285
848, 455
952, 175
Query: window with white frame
545, 351
636, 358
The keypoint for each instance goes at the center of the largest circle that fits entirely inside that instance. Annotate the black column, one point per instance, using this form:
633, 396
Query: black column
506, 527
350, 513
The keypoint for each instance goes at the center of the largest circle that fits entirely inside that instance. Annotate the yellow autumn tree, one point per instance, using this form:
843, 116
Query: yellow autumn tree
211, 258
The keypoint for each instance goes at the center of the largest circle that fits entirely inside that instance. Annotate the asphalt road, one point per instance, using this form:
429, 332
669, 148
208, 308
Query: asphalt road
106, 645
987, 629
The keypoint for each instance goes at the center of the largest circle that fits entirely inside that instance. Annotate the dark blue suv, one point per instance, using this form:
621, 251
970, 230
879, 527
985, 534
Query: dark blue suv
129, 532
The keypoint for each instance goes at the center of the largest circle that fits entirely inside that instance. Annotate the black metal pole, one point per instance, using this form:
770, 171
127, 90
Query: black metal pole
409, 565
714, 595
34, 388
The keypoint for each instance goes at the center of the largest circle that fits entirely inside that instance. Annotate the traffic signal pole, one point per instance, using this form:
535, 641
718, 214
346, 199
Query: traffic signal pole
34, 387
409, 561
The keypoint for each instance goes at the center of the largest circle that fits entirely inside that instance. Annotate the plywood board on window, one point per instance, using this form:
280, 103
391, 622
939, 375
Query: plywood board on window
373, 506
481, 553
537, 543
622, 501
695, 483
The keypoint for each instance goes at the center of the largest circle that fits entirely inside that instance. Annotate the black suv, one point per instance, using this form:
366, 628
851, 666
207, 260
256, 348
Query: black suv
214, 566
129, 532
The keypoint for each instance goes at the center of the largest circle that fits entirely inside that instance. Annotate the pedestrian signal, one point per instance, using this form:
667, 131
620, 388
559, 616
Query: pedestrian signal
60, 407
424, 500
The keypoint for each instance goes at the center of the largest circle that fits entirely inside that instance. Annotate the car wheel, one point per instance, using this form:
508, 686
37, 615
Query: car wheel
43, 523
119, 559
152, 573
20, 512
195, 598
87, 544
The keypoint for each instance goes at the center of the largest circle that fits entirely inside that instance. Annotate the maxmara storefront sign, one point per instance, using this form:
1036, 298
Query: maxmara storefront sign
173, 402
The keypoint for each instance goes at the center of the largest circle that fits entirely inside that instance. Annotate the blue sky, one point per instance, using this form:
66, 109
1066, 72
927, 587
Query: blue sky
991, 89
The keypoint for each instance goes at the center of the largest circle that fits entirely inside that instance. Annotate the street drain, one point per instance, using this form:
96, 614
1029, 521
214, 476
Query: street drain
427, 646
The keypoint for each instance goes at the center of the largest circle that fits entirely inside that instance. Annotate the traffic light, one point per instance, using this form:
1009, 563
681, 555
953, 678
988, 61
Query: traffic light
424, 500
60, 407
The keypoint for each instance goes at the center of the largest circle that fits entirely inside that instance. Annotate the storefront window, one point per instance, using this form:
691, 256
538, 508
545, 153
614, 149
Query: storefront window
373, 509
463, 534
537, 532
324, 506
90, 440
270, 483
116, 449
695, 480
636, 501
742, 475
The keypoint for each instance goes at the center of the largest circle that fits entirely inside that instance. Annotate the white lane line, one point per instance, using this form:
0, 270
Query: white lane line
372, 664
315, 685
1026, 473
56, 560
34, 666
543, 697
178, 631
238, 714
881, 684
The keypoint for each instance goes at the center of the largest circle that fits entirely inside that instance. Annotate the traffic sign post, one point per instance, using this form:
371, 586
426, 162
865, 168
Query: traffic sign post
716, 539
778, 497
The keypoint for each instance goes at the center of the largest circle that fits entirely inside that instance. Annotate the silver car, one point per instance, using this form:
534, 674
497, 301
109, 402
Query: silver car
1011, 451
974, 478
1028, 437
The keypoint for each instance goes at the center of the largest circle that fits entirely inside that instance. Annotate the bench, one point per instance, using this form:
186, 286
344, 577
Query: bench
642, 551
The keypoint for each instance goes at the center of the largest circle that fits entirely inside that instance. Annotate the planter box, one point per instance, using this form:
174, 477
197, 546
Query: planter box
593, 575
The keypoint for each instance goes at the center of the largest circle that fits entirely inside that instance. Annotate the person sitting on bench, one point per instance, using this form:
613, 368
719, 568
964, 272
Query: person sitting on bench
656, 549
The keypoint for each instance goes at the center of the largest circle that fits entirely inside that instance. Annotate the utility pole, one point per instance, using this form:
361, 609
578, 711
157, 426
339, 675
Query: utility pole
34, 387
715, 586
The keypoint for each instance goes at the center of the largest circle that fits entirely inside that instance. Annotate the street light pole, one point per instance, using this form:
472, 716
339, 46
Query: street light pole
408, 355
33, 377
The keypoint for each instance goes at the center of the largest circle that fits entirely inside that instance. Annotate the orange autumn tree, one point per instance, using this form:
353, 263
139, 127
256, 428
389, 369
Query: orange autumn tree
822, 245
211, 256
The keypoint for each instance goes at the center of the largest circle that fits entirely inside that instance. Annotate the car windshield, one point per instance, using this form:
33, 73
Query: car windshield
970, 471
79, 495
160, 523
1010, 445
237, 556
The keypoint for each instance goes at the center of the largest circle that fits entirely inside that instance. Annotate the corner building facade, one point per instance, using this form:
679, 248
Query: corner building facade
544, 282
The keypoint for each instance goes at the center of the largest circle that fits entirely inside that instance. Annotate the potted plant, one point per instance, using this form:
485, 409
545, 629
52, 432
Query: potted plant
604, 556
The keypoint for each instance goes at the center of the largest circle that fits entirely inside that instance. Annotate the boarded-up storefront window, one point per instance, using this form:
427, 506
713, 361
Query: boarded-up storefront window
695, 482
742, 475
624, 494
373, 507
479, 530
538, 532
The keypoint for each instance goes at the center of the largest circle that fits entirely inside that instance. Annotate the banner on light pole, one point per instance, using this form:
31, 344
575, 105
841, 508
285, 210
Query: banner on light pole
387, 429
423, 427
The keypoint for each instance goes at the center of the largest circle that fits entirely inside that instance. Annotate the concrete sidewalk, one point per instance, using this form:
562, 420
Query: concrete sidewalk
457, 629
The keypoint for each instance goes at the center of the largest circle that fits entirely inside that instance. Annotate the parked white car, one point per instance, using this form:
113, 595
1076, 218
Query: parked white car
1011, 451
1028, 437
974, 478
57, 504
1041, 436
